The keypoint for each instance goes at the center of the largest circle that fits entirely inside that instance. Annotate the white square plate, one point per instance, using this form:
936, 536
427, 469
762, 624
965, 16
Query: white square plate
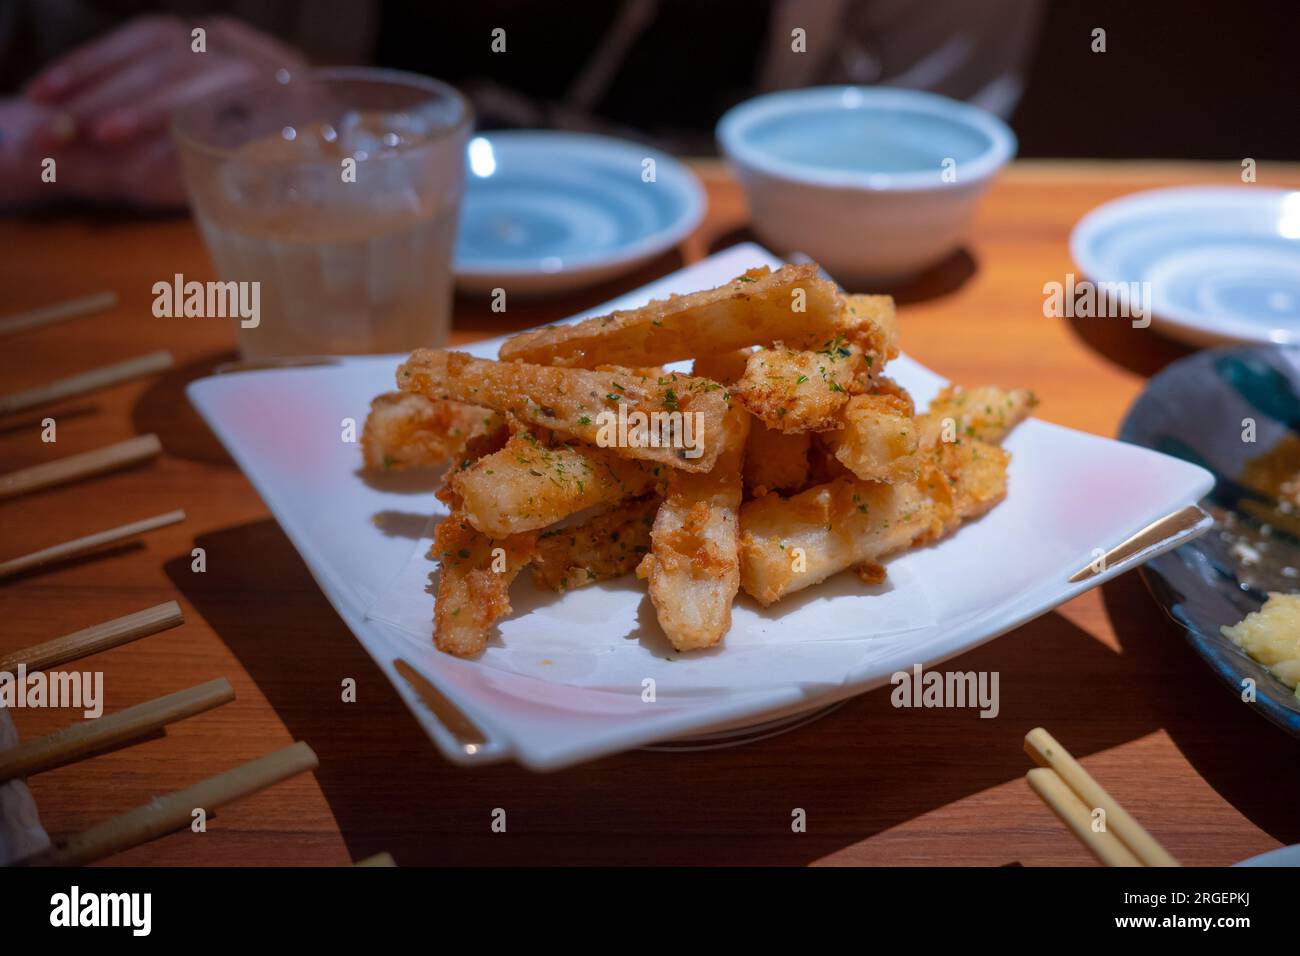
563, 682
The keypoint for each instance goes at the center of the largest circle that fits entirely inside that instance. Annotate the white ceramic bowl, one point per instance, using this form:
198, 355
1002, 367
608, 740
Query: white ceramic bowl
876, 184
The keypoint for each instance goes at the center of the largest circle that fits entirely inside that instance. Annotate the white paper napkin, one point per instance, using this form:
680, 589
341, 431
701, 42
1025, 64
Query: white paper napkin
21, 834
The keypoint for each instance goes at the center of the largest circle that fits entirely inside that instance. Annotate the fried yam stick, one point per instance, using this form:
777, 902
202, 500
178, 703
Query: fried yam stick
585, 404
878, 438
788, 544
985, 412
693, 568
473, 582
872, 323
535, 481
775, 460
607, 546
409, 431
760, 307
799, 391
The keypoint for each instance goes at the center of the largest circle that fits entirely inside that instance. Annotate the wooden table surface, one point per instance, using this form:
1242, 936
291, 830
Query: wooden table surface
1105, 673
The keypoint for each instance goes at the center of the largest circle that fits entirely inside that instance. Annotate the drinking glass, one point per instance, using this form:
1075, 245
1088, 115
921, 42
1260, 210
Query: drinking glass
338, 193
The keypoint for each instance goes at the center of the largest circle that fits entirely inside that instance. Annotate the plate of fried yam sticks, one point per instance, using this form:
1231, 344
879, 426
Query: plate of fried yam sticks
725, 499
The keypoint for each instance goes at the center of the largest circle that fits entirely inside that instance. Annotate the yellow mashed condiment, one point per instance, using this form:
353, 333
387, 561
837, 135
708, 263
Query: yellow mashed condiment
1271, 636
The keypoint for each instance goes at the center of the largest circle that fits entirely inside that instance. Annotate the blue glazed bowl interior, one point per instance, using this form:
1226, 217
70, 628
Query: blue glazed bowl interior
866, 137
867, 140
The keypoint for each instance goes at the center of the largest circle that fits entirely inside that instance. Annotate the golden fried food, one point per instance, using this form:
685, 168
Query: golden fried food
693, 568
987, 412
535, 481
667, 420
474, 582
760, 307
787, 544
563, 450
878, 438
872, 322
606, 546
800, 390
776, 460
409, 431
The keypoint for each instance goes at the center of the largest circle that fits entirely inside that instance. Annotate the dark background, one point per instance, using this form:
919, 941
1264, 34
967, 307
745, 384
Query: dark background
1178, 80
1195, 80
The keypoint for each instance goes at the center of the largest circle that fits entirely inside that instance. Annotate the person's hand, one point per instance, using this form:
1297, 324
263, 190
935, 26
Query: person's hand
143, 172
104, 107
127, 83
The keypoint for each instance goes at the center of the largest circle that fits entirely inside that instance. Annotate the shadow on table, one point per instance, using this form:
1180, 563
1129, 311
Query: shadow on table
1251, 763
862, 770
165, 410
34, 421
1143, 351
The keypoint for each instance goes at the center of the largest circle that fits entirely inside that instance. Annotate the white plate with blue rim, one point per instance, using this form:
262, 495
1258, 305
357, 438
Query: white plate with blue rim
1223, 263
548, 212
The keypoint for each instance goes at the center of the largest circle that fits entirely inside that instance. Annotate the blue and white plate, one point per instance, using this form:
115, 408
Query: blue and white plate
1282, 856
549, 212
1197, 409
1223, 263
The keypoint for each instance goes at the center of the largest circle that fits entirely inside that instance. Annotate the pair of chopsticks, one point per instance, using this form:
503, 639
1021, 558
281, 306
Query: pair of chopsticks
85, 545
58, 312
97, 378
120, 455
92, 640
173, 812
86, 381
162, 815
1074, 796
96, 462
123, 454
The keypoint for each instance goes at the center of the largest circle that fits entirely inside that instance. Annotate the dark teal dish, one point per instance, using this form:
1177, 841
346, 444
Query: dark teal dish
1198, 409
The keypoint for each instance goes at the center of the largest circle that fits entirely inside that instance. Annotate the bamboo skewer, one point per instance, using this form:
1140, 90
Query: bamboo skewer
91, 542
94, 639
1071, 811
96, 462
59, 311
379, 859
1046, 752
174, 811
79, 740
86, 382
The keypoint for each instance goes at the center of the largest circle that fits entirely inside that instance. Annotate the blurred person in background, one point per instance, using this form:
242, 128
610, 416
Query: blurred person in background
92, 84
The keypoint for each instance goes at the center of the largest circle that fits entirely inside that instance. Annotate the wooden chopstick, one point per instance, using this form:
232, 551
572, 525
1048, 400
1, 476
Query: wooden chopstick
78, 740
86, 382
94, 639
91, 542
1047, 752
49, 314
1065, 803
96, 462
174, 811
